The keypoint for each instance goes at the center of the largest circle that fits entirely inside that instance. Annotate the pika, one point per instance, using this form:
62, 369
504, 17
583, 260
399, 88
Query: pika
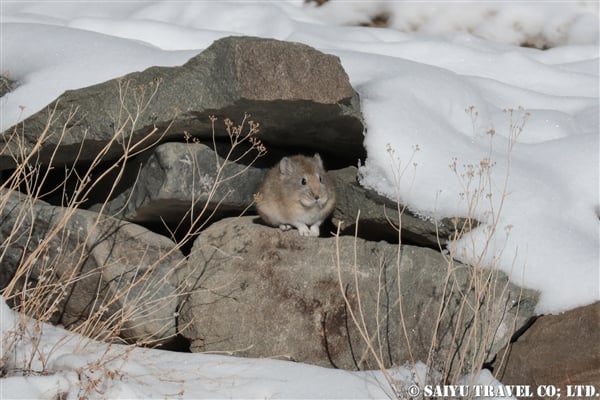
298, 193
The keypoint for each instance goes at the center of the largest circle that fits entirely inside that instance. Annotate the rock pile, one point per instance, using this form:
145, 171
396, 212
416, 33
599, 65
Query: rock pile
133, 210
301, 97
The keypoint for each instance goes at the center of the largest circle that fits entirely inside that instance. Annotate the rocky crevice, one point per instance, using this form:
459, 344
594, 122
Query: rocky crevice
233, 284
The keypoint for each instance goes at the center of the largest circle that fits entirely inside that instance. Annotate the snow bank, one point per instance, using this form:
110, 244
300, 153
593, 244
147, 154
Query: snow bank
548, 25
551, 199
75, 367
60, 364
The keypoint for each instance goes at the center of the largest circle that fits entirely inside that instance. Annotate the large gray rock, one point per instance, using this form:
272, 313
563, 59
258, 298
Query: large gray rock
380, 216
179, 180
261, 292
300, 96
119, 271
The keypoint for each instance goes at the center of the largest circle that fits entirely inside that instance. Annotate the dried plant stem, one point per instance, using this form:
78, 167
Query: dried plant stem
41, 283
473, 327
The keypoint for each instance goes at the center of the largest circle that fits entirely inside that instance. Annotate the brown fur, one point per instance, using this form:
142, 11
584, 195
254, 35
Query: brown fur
298, 193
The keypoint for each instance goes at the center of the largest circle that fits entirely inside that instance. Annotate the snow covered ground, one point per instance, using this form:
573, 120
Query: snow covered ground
82, 368
414, 88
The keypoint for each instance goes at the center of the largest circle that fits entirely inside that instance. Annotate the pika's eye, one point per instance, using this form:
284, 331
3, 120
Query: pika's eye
320, 179
303, 181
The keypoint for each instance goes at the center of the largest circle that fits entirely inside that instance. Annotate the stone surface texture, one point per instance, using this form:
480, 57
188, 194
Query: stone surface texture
261, 292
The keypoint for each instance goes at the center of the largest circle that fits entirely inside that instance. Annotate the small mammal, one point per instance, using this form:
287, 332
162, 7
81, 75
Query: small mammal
296, 193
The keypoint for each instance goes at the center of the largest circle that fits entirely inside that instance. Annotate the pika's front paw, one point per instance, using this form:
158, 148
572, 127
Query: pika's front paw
285, 227
314, 230
304, 231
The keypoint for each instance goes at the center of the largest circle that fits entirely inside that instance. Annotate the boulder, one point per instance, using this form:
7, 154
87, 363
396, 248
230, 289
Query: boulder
259, 292
557, 349
103, 266
378, 213
301, 97
180, 177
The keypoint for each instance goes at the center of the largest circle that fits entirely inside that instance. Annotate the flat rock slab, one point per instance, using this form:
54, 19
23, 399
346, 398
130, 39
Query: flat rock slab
379, 217
300, 96
261, 292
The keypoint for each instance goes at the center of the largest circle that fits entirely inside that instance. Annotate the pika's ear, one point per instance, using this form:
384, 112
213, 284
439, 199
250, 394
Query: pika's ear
318, 160
286, 166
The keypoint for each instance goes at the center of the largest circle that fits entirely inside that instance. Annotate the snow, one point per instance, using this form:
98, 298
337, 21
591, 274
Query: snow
553, 24
81, 368
552, 190
431, 90
117, 371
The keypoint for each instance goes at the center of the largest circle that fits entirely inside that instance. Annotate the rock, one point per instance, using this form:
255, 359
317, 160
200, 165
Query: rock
557, 349
301, 97
179, 176
99, 262
376, 213
261, 292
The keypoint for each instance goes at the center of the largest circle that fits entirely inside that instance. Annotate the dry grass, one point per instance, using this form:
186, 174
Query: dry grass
474, 326
41, 284
53, 257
